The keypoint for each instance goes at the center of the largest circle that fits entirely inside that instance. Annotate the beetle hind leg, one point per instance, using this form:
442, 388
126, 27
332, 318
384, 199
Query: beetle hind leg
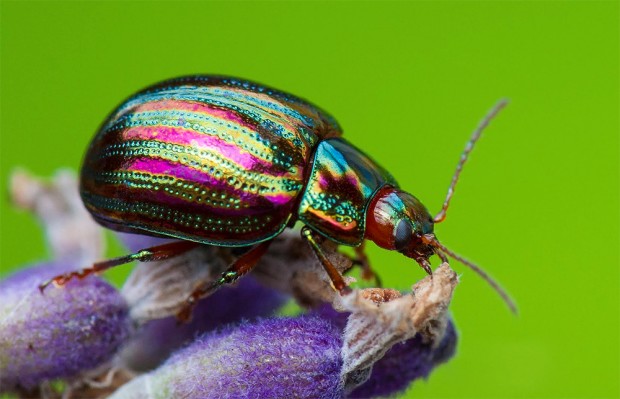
159, 252
244, 264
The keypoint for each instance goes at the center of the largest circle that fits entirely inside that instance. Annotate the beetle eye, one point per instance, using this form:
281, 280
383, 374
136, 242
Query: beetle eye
402, 234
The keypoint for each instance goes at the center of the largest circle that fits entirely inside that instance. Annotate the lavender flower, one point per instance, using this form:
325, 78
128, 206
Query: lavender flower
381, 341
404, 363
274, 358
157, 339
58, 334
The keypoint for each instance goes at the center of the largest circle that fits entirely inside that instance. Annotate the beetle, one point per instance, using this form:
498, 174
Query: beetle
224, 161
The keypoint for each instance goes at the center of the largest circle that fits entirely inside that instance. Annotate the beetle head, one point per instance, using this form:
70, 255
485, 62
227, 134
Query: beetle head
398, 221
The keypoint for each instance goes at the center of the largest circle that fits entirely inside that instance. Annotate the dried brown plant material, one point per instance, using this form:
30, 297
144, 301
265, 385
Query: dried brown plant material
290, 266
378, 318
155, 290
381, 318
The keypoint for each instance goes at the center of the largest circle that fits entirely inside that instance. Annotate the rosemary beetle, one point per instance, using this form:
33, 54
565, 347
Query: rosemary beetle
224, 161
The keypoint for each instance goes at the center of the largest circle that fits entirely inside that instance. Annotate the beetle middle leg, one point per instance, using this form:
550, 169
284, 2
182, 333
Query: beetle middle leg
159, 252
238, 268
329, 267
361, 260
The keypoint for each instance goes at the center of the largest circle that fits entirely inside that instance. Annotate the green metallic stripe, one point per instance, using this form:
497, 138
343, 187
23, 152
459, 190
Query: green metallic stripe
226, 98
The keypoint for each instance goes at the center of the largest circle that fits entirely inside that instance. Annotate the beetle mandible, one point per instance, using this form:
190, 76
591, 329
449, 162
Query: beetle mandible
224, 161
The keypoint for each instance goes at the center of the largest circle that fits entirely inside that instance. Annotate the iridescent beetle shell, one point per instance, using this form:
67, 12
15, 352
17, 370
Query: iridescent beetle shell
224, 161
229, 162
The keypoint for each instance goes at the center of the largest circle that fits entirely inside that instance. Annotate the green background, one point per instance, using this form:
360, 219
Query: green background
538, 202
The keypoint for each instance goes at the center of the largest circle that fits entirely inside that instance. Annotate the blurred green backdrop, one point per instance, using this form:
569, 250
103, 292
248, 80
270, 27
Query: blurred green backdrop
537, 204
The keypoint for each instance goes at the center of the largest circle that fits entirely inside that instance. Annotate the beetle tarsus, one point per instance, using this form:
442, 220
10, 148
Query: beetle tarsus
44, 285
63, 279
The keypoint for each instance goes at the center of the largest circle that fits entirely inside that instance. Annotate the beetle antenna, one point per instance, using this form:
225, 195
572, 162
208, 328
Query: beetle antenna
441, 216
443, 251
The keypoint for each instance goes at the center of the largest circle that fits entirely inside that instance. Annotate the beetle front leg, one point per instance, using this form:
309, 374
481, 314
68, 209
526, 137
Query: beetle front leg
159, 252
329, 267
239, 267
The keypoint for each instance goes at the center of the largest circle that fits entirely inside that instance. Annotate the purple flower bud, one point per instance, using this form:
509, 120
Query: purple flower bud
159, 338
272, 358
59, 333
404, 363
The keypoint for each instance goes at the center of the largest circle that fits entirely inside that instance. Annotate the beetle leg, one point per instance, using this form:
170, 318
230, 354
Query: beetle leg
362, 261
238, 268
159, 252
331, 270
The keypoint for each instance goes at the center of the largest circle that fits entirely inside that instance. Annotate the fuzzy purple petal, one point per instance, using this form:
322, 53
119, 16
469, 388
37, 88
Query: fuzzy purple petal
59, 333
159, 338
447, 347
272, 358
404, 363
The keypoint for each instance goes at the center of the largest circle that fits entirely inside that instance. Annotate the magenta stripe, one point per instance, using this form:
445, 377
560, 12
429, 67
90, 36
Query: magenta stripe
233, 153
164, 167
187, 137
